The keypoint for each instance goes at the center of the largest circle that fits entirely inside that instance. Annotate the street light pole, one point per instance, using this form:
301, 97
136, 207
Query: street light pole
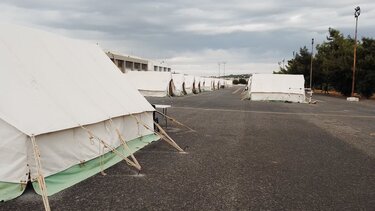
224, 67
219, 69
311, 63
357, 12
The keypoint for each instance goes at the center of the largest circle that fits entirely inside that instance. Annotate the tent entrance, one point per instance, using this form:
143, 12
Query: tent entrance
195, 91
183, 89
170, 88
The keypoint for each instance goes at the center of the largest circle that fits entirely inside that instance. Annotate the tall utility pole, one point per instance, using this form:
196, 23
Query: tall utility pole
311, 63
219, 68
224, 67
357, 12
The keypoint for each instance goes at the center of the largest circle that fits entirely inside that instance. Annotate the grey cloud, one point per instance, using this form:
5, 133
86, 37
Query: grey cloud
256, 32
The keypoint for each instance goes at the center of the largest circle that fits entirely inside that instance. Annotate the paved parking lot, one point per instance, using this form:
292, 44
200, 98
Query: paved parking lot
244, 155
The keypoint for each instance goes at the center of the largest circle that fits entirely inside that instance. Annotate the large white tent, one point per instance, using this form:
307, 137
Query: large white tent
228, 83
179, 83
65, 100
276, 87
207, 85
190, 84
153, 84
198, 84
217, 83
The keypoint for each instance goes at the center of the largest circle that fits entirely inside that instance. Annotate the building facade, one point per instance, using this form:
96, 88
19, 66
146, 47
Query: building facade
131, 63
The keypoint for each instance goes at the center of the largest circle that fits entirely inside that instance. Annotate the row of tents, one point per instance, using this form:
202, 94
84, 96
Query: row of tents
161, 84
66, 113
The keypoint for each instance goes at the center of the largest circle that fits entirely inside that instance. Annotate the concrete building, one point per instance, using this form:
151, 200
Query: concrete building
131, 63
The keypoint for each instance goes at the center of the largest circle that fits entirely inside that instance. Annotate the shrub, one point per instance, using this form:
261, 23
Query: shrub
242, 81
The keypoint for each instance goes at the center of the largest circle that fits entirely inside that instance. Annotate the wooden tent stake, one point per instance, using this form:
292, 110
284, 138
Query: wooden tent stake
169, 139
125, 145
40, 178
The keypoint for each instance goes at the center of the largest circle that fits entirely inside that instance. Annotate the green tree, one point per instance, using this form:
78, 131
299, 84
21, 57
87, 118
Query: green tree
333, 63
300, 64
235, 81
335, 59
366, 68
242, 81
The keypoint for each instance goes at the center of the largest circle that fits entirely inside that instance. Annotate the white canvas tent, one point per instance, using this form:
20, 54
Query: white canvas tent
198, 84
202, 83
222, 83
213, 83
190, 84
207, 84
228, 83
153, 84
217, 83
66, 101
276, 87
179, 82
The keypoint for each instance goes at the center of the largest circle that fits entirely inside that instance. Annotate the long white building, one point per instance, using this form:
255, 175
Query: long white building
128, 63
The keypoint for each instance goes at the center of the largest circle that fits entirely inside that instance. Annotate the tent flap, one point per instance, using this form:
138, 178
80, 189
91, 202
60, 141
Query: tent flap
9, 191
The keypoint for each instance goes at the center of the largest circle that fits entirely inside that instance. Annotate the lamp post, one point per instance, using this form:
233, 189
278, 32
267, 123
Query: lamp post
357, 12
219, 69
311, 62
224, 67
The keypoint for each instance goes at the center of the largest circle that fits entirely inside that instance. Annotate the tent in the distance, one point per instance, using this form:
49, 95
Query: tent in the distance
198, 84
152, 84
179, 83
276, 87
217, 83
66, 113
228, 83
190, 84
207, 85
222, 83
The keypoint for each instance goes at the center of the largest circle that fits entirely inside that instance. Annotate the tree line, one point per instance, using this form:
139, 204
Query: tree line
333, 65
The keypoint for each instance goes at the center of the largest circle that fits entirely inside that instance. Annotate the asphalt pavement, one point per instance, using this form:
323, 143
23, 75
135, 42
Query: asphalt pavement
244, 155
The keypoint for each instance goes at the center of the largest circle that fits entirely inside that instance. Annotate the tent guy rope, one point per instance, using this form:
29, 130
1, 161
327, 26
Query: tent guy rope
114, 150
174, 120
125, 145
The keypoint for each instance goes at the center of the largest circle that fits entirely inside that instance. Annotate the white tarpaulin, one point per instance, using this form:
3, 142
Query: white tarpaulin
207, 84
228, 83
179, 83
217, 83
190, 84
150, 83
277, 87
50, 86
198, 83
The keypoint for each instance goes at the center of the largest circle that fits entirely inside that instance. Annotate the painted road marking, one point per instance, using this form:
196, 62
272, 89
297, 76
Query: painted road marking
277, 113
236, 91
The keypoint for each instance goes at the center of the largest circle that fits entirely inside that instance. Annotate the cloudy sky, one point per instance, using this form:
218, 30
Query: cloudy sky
194, 35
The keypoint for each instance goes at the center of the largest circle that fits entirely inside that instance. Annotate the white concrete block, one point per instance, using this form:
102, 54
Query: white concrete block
352, 99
